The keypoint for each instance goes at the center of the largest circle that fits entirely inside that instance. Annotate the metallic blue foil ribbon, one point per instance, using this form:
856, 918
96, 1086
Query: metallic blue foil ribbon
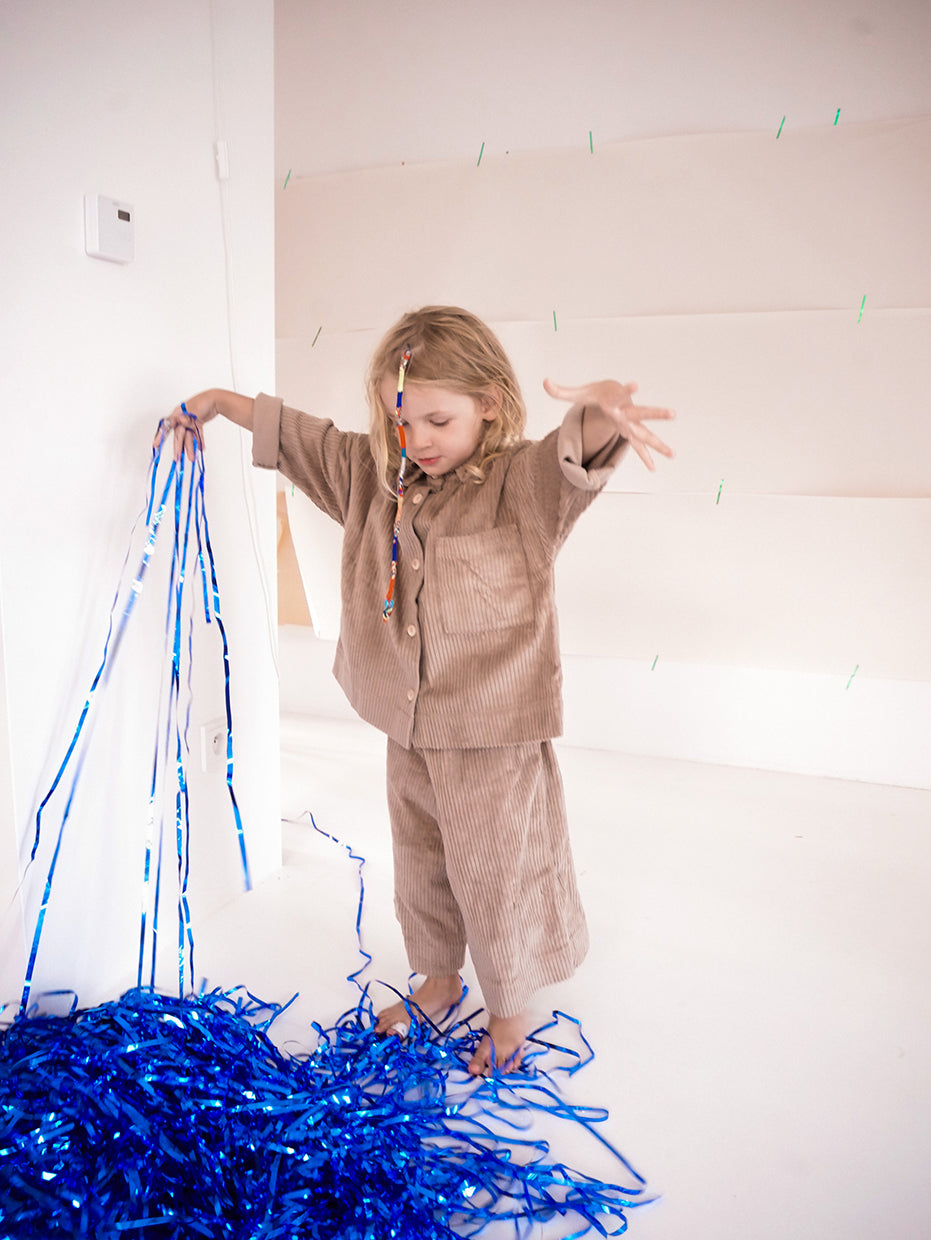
181, 1117
181, 494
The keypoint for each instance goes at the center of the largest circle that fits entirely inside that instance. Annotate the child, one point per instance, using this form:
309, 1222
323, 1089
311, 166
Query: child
448, 639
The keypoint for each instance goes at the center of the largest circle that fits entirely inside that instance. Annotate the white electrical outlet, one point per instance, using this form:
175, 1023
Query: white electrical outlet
213, 745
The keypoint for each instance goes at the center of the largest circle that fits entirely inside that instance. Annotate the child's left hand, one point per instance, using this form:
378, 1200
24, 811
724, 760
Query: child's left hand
614, 400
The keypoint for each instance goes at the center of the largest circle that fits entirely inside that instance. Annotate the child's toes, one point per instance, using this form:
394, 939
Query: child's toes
481, 1061
394, 1020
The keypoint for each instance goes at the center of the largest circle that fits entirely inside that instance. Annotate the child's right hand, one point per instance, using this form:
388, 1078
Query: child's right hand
184, 425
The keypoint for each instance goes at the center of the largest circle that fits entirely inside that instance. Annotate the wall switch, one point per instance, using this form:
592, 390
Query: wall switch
108, 228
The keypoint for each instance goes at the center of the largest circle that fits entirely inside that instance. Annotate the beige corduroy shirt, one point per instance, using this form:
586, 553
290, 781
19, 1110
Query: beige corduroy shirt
470, 657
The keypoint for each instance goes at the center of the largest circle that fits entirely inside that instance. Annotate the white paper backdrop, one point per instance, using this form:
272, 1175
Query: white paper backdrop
774, 291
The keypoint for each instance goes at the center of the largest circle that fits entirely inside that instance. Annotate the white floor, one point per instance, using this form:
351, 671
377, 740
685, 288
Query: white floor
756, 994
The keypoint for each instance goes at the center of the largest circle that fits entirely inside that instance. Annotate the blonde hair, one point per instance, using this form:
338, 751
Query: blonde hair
456, 350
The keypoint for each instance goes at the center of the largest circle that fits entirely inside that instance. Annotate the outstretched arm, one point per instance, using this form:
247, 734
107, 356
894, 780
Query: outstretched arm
185, 425
609, 410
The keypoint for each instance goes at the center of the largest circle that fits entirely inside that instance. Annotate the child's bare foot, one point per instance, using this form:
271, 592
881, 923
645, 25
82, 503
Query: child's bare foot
435, 996
502, 1046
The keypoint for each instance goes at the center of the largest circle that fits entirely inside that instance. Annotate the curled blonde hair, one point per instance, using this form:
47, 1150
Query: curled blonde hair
456, 350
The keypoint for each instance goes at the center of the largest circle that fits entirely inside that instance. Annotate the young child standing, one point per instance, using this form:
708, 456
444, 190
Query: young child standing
448, 639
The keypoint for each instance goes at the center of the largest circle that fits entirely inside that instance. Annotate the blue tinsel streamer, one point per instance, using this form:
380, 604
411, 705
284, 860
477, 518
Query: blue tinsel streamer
180, 1117
181, 495
177, 1117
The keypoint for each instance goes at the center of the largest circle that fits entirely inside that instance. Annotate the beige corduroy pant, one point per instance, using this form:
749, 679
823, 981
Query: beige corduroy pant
482, 859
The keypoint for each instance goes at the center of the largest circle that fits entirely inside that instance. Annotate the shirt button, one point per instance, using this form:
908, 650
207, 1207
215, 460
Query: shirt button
411, 631
415, 499
410, 695
415, 564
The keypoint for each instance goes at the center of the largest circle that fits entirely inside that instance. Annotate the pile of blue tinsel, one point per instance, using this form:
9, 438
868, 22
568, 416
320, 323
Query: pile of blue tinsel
180, 1118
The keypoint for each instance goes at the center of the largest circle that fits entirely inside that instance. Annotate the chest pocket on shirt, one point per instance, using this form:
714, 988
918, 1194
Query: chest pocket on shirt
482, 581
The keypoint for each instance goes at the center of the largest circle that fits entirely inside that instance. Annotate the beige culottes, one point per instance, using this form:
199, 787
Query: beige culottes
482, 859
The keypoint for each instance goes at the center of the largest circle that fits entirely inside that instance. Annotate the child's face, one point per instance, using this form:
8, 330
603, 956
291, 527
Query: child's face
442, 428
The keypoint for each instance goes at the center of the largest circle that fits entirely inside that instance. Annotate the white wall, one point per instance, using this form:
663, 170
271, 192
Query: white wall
12, 960
128, 101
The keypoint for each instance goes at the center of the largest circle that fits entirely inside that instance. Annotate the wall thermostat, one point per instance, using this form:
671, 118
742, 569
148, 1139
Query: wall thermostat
108, 228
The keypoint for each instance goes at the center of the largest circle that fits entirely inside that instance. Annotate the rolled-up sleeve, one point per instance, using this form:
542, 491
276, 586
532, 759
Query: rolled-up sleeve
266, 430
310, 452
590, 475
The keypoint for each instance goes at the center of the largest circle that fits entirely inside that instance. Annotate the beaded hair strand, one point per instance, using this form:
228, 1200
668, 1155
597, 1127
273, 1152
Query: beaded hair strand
388, 607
